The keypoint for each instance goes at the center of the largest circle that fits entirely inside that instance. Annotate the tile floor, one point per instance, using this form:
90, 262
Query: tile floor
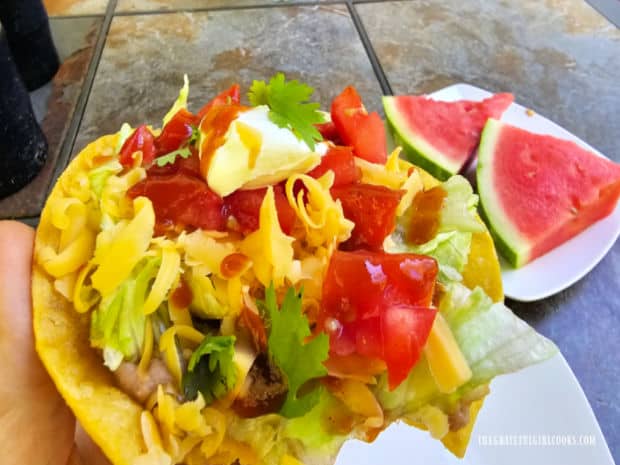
124, 61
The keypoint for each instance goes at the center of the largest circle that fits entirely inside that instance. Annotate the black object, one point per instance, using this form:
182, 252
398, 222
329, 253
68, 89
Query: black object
27, 31
23, 148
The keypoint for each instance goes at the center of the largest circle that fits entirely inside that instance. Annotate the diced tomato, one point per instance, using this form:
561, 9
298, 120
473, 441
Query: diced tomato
378, 305
231, 95
329, 132
340, 161
360, 284
141, 139
372, 209
405, 330
362, 131
181, 201
245, 205
176, 132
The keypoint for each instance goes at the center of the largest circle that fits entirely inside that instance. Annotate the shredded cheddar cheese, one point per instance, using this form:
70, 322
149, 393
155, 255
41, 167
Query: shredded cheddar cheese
166, 276
270, 250
126, 249
321, 215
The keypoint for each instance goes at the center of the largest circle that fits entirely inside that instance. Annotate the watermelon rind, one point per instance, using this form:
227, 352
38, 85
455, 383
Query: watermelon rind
512, 245
417, 149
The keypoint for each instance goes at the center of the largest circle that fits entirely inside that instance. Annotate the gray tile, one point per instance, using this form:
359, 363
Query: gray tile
75, 7
559, 57
609, 8
143, 62
54, 106
125, 6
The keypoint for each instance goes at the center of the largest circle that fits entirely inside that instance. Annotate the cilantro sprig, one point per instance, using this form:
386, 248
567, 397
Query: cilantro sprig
289, 106
211, 370
299, 361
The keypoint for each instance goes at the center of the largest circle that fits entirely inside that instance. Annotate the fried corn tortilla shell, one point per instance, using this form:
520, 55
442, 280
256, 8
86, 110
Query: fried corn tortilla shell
109, 416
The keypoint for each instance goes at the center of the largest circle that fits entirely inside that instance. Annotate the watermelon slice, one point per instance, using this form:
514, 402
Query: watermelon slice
538, 191
441, 136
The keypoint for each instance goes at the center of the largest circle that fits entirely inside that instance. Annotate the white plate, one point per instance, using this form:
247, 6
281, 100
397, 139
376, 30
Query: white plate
566, 264
541, 404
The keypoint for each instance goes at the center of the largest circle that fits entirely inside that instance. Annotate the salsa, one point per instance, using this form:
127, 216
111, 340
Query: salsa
425, 215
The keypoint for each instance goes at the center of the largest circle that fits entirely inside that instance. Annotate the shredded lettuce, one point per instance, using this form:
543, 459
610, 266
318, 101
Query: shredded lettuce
123, 135
451, 246
211, 370
180, 102
492, 338
458, 212
118, 324
298, 360
418, 389
311, 431
98, 177
450, 249
263, 434
306, 437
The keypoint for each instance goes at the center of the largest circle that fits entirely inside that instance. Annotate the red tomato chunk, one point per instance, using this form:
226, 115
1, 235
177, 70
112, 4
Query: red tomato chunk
340, 161
372, 209
244, 206
378, 305
362, 131
329, 132
176, 132
181, 201
141, 139
227, 97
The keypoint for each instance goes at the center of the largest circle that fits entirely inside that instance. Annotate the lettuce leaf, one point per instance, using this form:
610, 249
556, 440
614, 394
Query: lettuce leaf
492, 338
451, 246
98, 177
311, 431
118, 324
180, 102
211, 370
306, 437
263, 434
450, 249
458, 212
123, 135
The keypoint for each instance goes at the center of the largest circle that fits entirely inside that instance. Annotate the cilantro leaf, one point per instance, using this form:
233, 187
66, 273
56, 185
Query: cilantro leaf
258, 93
170, 158
289, 106
211, 370
299, 361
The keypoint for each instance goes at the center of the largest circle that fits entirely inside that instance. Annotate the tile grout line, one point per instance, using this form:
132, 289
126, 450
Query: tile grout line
263, 6
80, 107
77, 16
386, 88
